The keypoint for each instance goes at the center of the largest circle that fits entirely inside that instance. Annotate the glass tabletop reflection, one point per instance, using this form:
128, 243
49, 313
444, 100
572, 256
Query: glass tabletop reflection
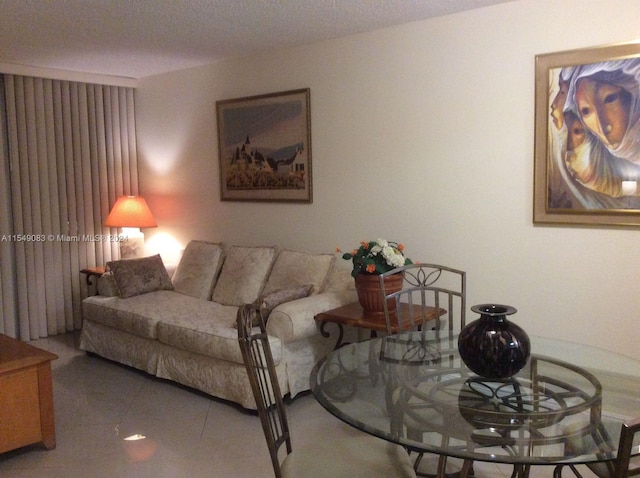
565, 406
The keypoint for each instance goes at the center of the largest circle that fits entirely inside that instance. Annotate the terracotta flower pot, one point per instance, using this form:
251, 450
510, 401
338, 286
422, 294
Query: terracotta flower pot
370, 296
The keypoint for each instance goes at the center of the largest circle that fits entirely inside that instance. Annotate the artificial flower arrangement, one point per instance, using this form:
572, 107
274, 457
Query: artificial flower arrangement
376, 257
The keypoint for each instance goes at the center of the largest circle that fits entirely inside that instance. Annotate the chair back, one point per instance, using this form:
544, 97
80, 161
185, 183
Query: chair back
425, 286
625, 446
623, 466
258, 360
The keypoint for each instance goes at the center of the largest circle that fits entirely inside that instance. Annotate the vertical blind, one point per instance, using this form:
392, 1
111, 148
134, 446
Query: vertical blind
70, 152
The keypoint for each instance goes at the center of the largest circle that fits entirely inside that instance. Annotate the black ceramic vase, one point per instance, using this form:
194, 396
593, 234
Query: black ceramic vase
491, 346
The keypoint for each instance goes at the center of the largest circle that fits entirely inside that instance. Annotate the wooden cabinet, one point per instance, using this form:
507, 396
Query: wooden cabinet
26, 396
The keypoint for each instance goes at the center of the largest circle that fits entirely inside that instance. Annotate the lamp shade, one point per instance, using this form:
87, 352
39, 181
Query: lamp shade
130, 211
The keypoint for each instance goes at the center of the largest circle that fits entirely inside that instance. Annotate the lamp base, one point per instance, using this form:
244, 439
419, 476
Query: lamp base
132, 244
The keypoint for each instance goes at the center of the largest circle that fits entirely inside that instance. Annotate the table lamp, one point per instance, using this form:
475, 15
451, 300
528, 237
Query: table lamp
131, 213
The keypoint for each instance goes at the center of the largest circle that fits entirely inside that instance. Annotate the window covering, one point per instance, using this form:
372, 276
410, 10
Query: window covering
69, 151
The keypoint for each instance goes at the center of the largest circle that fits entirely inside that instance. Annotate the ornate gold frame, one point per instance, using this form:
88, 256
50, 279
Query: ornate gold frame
555, 206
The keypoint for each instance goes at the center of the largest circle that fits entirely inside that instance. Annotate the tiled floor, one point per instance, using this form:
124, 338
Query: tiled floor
98, 404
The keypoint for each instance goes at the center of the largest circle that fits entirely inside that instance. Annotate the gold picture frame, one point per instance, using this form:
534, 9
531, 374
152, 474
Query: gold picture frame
587, 136
264, 145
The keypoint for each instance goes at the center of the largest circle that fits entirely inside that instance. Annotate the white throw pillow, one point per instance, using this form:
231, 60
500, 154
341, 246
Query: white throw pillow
243, 275
198, 269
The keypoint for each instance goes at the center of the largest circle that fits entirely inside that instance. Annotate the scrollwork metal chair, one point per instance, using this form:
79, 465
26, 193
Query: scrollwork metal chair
426, 288
352, 457
624, 465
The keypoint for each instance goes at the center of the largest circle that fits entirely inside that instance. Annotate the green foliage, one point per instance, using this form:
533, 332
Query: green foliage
376, 257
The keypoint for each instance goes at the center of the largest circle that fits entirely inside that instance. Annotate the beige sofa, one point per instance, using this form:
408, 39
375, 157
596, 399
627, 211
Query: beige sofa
182, 328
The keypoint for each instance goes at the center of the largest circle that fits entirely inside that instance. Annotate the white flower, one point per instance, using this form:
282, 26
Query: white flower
376, 257
380, 245
393, 256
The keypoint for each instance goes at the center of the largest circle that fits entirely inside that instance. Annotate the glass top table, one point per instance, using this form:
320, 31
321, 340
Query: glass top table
566, 406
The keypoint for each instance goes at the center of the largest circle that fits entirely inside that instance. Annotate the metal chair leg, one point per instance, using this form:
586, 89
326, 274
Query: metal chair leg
467, 469
557, 471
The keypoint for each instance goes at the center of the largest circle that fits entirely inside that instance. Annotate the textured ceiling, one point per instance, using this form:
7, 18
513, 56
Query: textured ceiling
138, 38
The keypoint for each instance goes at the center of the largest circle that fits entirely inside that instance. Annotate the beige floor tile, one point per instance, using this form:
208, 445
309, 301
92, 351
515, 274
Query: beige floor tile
188, 435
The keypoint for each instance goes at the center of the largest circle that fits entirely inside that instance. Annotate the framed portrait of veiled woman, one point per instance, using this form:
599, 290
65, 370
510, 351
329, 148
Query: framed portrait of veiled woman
587, 137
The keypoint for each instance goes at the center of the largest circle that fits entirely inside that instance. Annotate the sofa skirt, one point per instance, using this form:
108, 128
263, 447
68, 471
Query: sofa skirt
219, 378
122, 347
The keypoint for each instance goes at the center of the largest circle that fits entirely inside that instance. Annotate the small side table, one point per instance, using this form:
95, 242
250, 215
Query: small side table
26, 395
92, 272
353, 315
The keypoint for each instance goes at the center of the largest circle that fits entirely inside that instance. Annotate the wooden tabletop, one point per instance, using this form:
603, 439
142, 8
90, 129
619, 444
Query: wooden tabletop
15, 354
96, 271
353, 315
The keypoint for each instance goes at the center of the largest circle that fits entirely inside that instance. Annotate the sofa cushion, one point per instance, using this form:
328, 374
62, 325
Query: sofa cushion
139, 276
137, 315
243, 275
293, 269
175, 319
197, 270
203, 335
339, 279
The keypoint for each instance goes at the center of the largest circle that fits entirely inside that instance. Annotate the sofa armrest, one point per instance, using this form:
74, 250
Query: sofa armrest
106, 285
295, 320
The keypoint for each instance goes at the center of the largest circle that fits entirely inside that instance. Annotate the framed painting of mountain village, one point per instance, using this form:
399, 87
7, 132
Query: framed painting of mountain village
264, 147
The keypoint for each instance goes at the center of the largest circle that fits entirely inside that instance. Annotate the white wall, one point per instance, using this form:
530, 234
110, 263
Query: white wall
422, 134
